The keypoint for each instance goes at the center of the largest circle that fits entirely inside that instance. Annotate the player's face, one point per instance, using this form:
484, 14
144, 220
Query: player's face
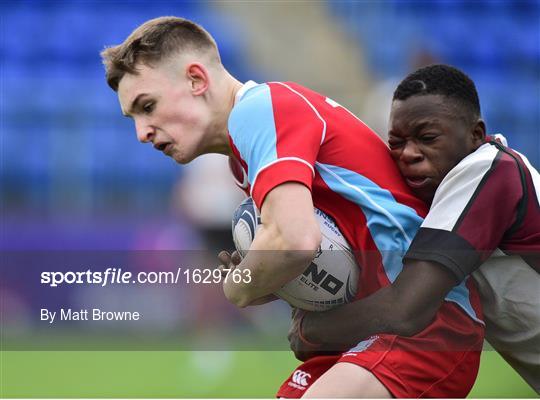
428, 136
166, 112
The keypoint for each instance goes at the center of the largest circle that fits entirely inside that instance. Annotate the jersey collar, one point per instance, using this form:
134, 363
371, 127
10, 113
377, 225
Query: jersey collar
245, 87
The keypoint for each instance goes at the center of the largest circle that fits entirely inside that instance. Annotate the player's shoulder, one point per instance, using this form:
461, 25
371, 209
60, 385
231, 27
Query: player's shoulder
490, 154
491, 162
257, 106
251, 96
252, 109
289, 94
254, 99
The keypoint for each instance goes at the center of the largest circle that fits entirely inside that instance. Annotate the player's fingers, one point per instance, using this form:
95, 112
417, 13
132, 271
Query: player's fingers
236, 258
224, 257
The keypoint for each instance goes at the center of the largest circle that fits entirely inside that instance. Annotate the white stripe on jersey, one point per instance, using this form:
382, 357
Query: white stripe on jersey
323, 134
280, 160
534, 175
458, 187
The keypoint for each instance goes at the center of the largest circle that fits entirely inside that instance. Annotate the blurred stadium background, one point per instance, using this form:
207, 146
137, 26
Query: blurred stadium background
74, 177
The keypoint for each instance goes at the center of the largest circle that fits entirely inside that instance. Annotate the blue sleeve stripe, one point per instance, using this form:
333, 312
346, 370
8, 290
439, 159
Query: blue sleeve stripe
253, 129
392, 225
382, 211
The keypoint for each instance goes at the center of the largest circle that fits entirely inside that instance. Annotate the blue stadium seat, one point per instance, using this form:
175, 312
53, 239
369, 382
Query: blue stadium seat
54, 82
496, 42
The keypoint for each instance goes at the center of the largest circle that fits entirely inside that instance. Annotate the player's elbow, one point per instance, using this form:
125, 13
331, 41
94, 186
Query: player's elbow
301, 250
237, 297
240, 301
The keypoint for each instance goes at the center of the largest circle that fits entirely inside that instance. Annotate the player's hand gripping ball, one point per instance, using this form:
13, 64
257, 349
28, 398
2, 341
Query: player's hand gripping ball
329, 281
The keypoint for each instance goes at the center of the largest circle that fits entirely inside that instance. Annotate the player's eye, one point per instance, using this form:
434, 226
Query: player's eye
148, 107
395, 144
428, 138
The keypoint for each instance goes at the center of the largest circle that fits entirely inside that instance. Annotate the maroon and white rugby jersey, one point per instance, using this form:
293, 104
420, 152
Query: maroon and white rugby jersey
489, 201
488, 204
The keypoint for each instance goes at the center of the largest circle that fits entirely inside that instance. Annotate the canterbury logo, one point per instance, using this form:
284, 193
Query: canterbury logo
300, 377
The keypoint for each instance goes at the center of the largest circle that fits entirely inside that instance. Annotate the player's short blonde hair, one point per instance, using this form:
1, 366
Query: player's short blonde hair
154, 41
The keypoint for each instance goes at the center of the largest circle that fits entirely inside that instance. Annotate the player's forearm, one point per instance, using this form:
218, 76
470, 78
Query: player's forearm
268, 271
351, 323
404, 308
272, 261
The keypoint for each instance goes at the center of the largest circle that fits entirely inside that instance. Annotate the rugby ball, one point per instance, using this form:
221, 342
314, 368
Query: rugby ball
329, 281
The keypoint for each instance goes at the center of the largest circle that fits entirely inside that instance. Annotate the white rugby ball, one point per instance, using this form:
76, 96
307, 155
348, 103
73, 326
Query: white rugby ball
329, 281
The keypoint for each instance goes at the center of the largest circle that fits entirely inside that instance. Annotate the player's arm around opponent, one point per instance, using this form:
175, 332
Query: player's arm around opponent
419, 290
283, 247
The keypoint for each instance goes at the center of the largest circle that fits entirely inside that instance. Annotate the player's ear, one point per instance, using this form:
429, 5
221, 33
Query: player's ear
479, 132
199, 78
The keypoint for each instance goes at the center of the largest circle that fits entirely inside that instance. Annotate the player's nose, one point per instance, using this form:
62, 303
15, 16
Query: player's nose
411, 153
144, 131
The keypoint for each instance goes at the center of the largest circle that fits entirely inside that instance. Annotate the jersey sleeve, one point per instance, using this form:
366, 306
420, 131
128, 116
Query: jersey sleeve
474, 206
278, 134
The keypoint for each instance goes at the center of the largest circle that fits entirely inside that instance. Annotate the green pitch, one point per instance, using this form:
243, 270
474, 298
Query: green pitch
185, 374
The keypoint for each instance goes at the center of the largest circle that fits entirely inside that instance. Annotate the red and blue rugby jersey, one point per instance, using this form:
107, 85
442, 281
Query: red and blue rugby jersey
282, 132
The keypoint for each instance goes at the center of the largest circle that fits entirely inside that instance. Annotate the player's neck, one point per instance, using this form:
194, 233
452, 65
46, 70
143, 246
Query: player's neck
233, 85
229, 87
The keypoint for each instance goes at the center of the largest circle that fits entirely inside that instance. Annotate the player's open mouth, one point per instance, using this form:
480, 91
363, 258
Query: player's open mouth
168, 149
416, 181
164, 147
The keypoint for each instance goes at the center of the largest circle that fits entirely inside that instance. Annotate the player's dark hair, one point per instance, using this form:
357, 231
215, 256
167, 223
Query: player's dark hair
154, 41
442, 80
